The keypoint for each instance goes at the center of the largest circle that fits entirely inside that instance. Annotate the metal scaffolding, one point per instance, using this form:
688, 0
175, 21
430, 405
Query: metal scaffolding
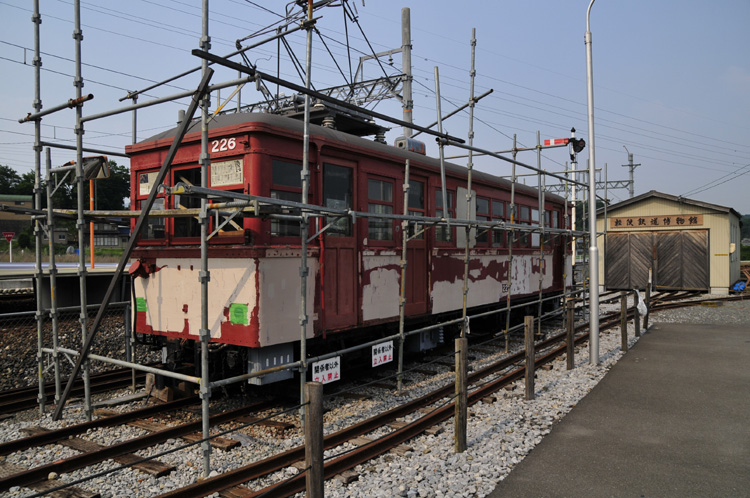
250, 205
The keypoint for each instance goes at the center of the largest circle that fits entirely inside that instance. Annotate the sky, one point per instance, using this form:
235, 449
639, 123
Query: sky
671, 78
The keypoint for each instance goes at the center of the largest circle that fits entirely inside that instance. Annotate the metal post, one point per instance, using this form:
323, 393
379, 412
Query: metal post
402, 294
541, 221
37, 20
637, 317
52, 278
314, 441
511, 240
408, 103
469, 195
528, 322
80, 181
593, 249
624, 321
441, 148
461, 413
304, 270
205, 333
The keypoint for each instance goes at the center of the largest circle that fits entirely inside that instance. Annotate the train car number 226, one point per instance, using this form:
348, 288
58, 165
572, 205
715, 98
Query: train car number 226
223, 144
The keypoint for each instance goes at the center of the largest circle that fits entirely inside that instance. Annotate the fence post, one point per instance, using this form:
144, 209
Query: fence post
648, 307
570, 336
624, 321
314, 440
637, 317
528, 322
461, 416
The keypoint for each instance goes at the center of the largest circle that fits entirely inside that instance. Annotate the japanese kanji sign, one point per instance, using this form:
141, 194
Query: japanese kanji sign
662, 221
327, 371
382, 353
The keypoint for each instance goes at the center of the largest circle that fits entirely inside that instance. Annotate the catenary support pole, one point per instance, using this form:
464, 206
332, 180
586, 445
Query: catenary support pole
593, 249
408, 103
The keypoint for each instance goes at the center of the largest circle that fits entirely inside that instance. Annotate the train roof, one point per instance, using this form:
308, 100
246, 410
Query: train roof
237, 120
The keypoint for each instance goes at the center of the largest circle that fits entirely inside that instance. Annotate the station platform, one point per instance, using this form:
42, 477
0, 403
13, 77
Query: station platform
670, 419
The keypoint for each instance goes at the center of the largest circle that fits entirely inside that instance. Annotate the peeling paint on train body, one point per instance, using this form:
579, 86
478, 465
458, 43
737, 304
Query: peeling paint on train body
381, 277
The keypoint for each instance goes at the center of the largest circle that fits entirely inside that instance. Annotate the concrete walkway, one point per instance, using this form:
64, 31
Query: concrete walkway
671, 419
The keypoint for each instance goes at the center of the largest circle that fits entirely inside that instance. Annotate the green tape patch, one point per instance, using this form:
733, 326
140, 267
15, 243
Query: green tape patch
238, 314
140, 304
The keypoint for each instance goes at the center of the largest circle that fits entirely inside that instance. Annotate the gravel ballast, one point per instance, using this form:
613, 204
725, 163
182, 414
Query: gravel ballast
500, 431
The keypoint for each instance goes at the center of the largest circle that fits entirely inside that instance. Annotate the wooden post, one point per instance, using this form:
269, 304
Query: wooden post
570, 337
528, 323
648, 307
314, 440
624, 321
461, 415
637, 316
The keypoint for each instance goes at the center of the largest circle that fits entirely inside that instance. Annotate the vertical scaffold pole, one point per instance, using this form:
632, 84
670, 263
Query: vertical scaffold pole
541, 221
441, 149
52, 278
78, 83
402, 295
130, 333
304, 270
511, 240
469, 196
37, 20
205, 276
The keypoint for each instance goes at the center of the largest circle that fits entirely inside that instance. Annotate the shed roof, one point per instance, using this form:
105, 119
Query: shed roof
669, 197
13, 197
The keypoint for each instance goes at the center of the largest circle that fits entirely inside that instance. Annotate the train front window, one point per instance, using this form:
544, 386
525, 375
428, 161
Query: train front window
380, 201
416, 206
187, 226
228, 221
286, 185
337, 194
153, 227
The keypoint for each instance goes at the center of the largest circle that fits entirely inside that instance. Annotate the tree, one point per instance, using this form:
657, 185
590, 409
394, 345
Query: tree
9, 180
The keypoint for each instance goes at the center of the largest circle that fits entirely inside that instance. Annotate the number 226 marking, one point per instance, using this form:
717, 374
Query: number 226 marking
223, 144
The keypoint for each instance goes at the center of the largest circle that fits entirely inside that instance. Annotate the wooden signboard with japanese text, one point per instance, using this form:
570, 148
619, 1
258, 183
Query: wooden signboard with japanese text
668, 221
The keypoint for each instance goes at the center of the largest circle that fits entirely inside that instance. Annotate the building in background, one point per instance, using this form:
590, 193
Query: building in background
687, 244
14, 222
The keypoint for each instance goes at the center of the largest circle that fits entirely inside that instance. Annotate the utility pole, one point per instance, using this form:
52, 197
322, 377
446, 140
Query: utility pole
632, 170
408, 103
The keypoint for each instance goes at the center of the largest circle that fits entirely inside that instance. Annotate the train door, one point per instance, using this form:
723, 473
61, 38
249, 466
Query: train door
340, 254
417, 286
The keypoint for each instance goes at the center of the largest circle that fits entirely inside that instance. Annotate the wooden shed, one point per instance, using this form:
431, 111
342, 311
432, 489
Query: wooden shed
688, 244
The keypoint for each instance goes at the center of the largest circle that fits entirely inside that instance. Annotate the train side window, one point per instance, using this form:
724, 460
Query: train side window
153, 227
416, 206
189, 226
286, 184
337, 194
441, 232
498, 214
536, 236
483, 214
524, 218
379, 201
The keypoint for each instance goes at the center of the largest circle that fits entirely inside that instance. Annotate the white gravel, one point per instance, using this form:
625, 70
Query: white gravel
500, 433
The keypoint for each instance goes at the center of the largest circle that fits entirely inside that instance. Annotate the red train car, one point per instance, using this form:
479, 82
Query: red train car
254, 294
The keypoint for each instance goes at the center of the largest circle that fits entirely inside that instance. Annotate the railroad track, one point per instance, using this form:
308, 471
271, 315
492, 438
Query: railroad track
16, 400
505, 371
